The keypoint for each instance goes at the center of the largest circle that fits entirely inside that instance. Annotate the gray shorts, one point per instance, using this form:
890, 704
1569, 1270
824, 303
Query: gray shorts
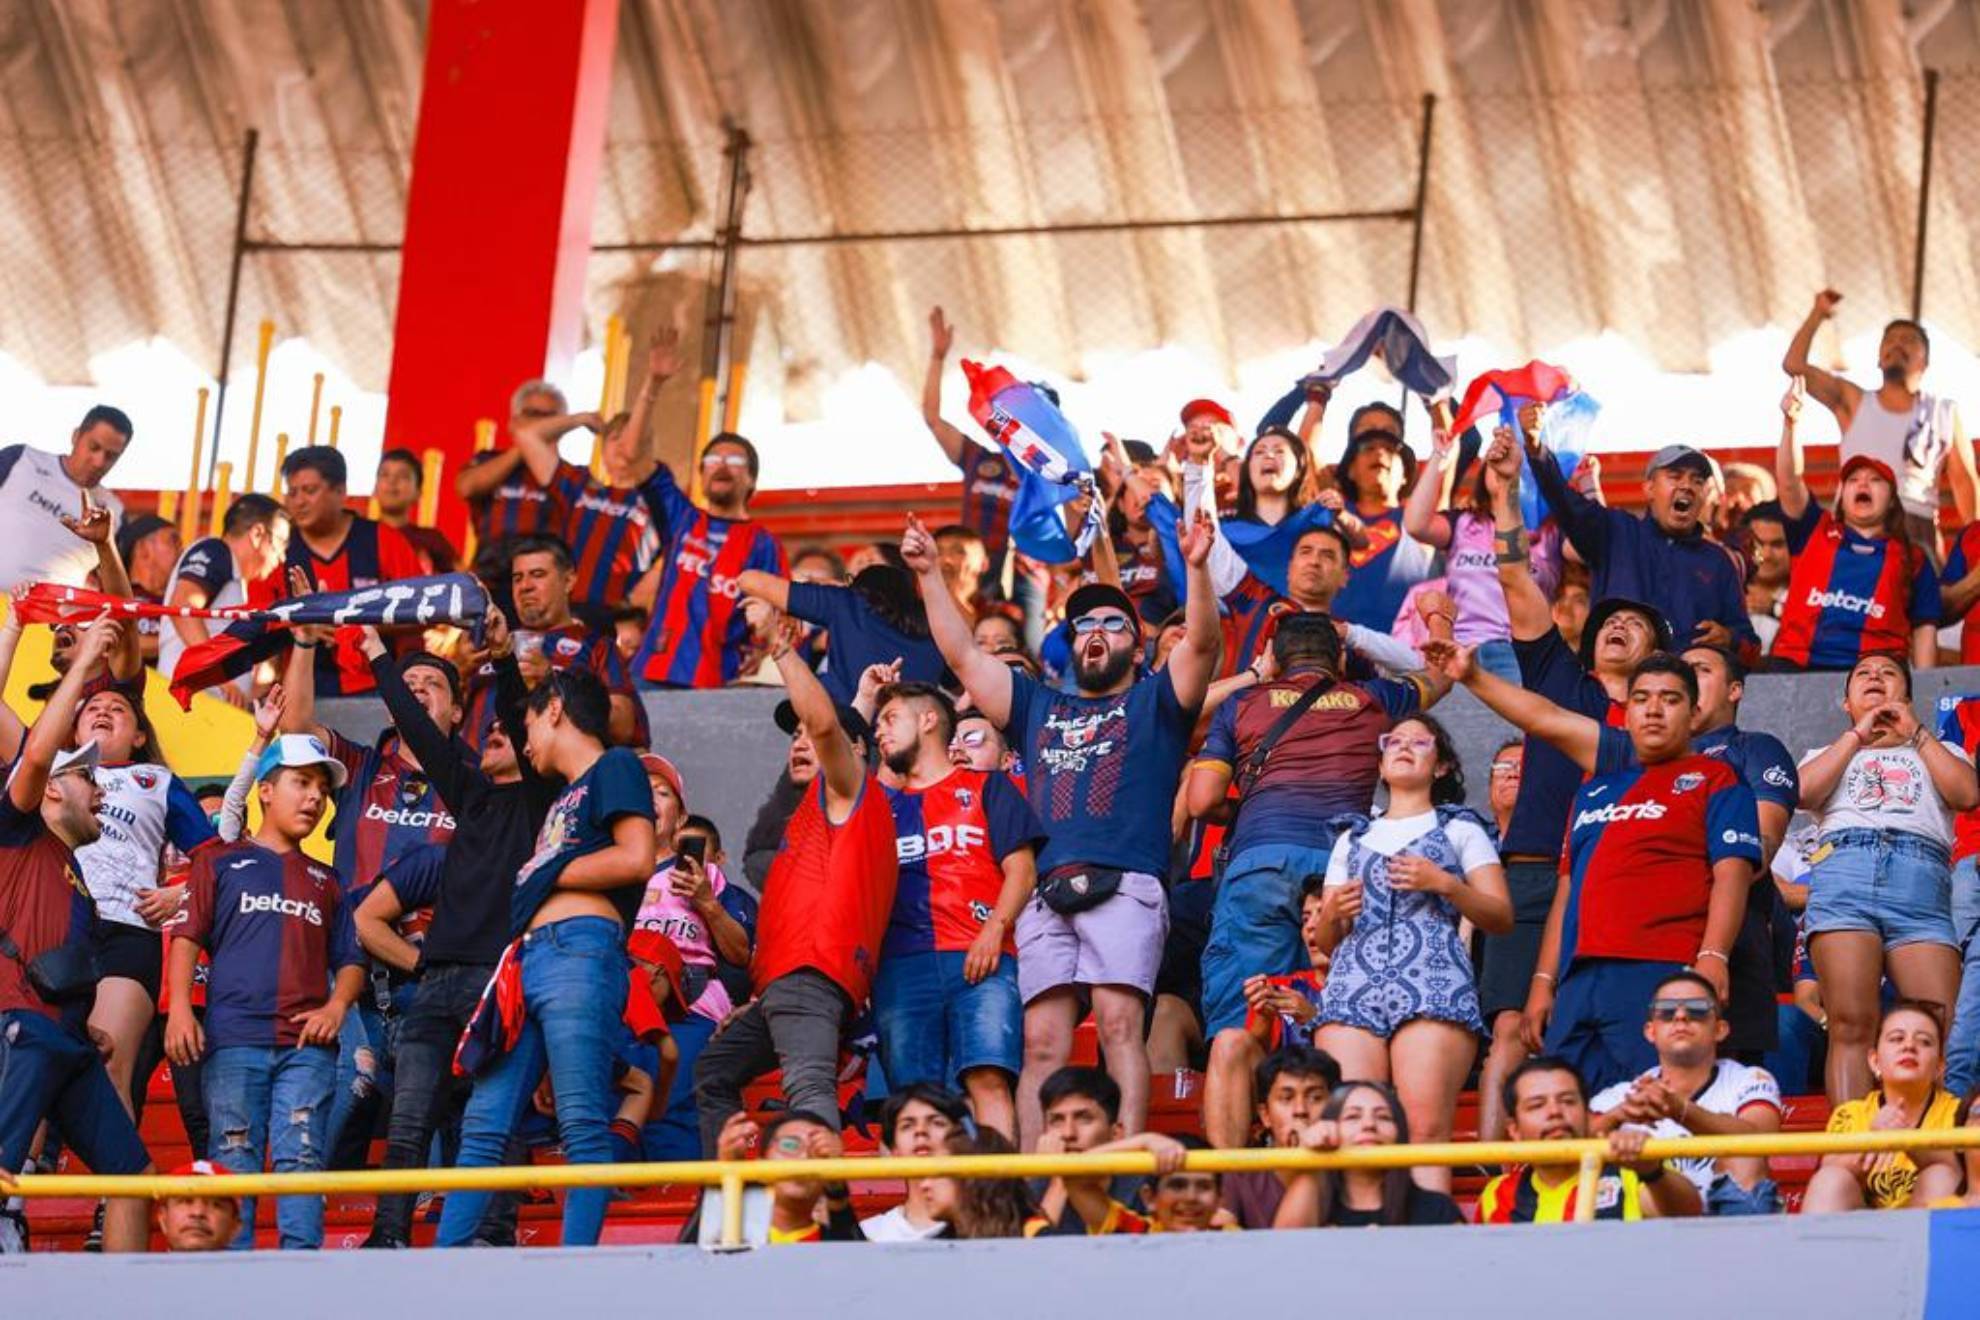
1117, 943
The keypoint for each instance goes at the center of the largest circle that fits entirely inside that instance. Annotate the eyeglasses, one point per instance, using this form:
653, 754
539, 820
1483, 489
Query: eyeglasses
725, 460
971, 738
1088, 624
1505, 769
1390, 741
1667, 1010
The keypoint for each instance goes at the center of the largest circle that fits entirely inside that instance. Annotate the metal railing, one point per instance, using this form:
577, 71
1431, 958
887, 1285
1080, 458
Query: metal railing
731, 1176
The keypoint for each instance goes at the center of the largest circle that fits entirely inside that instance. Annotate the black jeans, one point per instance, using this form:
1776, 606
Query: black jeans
425, 1085
794, 1024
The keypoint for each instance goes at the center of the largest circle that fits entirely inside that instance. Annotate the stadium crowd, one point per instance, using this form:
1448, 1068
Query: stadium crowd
1190, 785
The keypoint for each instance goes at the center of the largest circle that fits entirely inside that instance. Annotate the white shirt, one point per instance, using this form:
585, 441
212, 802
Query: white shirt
1733, 1087
1913, 444
1888, 788
893, 1226
209, 562
1391, 834
34, 493
144, 807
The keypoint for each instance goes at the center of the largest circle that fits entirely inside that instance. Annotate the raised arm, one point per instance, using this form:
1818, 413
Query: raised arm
1577, 736
52, 727
838, 762
12, 728
478, 481
663, 362
1527, 609
1787, 455
1421, 516
767, 587
299, 677
443, 756
1194, 660
941, 338
1584, 522
1833, 392
97, 527
538, 441
986, 678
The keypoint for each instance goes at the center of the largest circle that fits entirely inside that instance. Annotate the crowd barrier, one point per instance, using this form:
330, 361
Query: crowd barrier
731, 1176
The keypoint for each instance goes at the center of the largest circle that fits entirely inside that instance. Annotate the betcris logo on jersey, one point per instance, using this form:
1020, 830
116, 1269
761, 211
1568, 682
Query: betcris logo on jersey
406, 816
940, 840
1847, 602
1610, 813
276, 905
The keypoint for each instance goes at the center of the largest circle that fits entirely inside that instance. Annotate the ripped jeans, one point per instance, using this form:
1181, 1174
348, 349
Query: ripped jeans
275, 1099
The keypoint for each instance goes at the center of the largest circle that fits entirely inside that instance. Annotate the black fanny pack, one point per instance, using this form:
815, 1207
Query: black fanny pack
1071, 889
63, 975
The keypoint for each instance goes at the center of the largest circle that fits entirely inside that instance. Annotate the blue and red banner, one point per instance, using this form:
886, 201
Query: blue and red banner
1053, 469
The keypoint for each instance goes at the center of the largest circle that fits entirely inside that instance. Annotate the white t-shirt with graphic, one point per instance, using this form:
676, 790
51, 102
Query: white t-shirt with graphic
34, 493
1888, 788
1733, 1087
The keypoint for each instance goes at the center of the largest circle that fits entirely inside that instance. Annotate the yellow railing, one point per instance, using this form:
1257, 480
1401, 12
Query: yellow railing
731, 1176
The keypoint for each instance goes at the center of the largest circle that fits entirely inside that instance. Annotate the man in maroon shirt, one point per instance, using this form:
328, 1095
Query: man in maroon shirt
52, 1065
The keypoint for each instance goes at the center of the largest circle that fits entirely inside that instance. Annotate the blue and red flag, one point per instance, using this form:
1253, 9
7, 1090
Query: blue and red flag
1564, 429
1053, 469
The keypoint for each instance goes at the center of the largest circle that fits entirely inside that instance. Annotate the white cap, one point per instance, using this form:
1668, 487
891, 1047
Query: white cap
85, 757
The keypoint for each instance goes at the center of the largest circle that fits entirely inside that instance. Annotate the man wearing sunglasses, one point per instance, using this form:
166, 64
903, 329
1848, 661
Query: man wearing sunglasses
1103, 763
1692, 1092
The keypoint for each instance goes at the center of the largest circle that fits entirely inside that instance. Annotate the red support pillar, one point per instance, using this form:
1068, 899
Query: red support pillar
498, 228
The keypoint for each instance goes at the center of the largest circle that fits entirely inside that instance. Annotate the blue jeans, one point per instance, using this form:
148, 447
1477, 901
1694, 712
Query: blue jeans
1599, 1011
1963, 1048
362, 1092
1798, 1059
1895, 885
935, 1026
674, 1133
47, 1072
1254, 927
574, 993
273, 1098
1497, 658
1727, 1199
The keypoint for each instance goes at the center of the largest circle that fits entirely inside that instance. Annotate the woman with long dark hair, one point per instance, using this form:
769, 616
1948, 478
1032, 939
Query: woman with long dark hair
1279, 500
979, 1207
1400, 1003
1358, 1115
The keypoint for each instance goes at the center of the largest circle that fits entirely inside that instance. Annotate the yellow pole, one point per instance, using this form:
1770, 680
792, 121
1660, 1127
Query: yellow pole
189, 512
1589, 1177
732, 406
168, 505
704, 415
281, 452
223, 477
260, 391
614, 327
484, 435
336, 422
315, 402
732, 1210
433, 466
612, 393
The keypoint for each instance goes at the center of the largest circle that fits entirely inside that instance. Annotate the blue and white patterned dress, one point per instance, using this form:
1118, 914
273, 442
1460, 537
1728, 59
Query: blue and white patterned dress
1402, 960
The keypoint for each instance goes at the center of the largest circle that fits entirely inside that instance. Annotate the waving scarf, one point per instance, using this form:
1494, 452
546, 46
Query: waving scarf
1053, 469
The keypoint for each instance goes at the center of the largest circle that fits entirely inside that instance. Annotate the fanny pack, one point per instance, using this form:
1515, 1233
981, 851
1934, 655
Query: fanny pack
1070, 889
66, 974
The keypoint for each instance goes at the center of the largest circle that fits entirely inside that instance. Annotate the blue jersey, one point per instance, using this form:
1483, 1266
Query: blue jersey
1381, 573
277, 929
1641, 847
1959, 724
1548, 779
579, 823
1850, 594
385, 808
611, 533
1762, 761
856, 637
698, 635
1101, 772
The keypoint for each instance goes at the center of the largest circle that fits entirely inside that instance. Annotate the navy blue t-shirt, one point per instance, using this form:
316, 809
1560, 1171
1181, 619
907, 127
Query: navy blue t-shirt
1762, 761
1549, 780
580, 822
856, 637
1101, 772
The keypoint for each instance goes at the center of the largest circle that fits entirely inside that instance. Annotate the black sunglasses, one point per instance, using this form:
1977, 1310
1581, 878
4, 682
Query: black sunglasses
1667, 1010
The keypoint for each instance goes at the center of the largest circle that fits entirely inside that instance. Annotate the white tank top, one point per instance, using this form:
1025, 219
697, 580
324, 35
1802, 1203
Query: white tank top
1913, 443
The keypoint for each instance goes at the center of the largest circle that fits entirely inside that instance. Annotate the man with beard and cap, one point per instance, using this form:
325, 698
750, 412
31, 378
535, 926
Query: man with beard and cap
1664, 557
1102, 767
1909, 431
1593, 681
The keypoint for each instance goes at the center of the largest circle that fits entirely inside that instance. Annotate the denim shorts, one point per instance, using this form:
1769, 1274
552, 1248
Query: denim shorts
1893, 884
935, 1026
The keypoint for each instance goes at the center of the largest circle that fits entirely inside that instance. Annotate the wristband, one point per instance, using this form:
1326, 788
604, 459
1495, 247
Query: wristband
1548, 977
1711, 953
307, 646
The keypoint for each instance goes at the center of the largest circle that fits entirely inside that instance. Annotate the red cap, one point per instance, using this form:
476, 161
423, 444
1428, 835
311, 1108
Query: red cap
651, 946
203, 1169
655, 764
1211, 406
1877, 465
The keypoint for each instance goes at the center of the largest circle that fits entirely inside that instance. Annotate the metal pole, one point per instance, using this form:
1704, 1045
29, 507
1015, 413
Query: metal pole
724, 302
1924, 193
1422, 197
248, 148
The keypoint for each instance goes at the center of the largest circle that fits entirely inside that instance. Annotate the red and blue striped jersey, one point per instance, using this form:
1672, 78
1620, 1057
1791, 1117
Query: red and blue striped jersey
1251, 616
277, 928
951, 839
1850, 594
385, 808
517, 507
44, 905
611, 533
989, 485
571, 644
698, 634
369, 554
1959, 724
1642, 841
1962, 558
